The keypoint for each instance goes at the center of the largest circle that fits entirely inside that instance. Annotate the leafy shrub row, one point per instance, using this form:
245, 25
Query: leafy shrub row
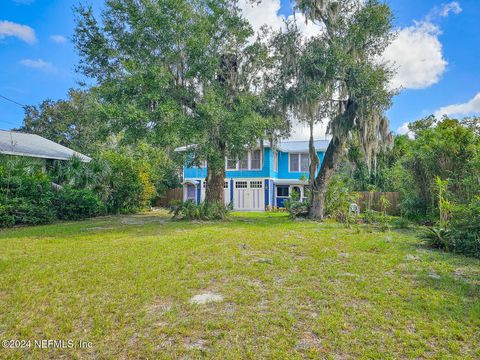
190, 210
461, 234
30, 200
122, 180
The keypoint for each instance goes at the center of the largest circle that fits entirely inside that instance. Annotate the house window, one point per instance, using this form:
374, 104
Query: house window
256, 184
249, 161
304, 162
244, 161
231, 164
225, 186
241, 185
275, 161
204, 184
299, 162
256, 160
282, 191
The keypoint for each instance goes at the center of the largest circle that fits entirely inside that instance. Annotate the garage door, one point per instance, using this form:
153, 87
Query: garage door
249, 195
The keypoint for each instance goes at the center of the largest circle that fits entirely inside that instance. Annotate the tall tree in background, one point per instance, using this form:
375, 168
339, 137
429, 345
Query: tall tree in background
75, 123
180, 72
342, 65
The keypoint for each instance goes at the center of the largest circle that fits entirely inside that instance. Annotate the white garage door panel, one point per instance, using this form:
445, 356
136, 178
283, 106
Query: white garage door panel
249, 195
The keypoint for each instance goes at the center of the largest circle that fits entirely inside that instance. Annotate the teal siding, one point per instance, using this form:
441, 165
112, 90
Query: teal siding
283, 172
265, 172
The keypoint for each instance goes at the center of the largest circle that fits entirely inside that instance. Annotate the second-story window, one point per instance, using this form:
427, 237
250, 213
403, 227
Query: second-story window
232, 164
244, 161
299, 162
256, 160
251, 160
275, 161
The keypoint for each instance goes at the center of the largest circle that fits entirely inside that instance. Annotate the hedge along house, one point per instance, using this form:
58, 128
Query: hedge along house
34, 146
262, 179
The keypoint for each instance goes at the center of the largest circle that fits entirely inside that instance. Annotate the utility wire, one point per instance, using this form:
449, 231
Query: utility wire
13, 101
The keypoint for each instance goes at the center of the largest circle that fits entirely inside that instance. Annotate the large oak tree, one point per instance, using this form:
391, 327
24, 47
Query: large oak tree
180, 72
339, 75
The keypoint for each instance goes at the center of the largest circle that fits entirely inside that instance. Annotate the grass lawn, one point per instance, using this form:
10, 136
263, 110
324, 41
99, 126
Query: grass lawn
291, 289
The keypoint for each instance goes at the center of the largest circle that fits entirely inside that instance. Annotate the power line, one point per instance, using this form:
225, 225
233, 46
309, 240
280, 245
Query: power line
13, 101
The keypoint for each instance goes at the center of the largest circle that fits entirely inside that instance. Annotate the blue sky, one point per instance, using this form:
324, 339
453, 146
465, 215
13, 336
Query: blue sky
436, 51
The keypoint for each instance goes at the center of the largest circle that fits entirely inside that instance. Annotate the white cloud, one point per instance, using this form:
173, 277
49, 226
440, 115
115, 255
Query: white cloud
444, 10
417, 52
39, 65
267, 13
59, 39
471, 107
23, 32
301, 131
417, 55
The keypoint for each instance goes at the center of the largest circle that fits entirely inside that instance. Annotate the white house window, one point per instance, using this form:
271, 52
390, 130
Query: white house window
241, 184
232, 164
249, 161
304, 162
244, 161
299, 162
256, 184
256, 160
225, 185
275, 161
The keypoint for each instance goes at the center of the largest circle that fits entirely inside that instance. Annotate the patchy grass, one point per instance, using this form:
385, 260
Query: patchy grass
291, 289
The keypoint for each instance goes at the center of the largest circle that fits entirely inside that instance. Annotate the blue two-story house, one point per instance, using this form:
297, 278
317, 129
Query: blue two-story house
261, 179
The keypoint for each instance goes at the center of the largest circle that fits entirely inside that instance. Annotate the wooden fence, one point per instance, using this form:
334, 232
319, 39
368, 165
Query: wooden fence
372, 200
170, 195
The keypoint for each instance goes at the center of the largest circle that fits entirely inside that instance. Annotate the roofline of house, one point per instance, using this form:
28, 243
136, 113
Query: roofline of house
266, 144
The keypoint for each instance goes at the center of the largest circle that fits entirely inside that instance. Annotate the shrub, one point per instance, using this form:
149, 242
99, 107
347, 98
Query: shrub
401, 223
25, 194
189, 210
74, 204
338, 200
437, 238
127, 186
465, 228
296, 208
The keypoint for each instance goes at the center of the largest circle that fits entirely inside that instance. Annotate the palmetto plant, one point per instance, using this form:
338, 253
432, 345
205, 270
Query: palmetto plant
438, 238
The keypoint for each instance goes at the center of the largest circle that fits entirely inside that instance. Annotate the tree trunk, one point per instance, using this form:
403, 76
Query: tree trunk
321, 182
215, 185
314, 162
344, 122
215, 175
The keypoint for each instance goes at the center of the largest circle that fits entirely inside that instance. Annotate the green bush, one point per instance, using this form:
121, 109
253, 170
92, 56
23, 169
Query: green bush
465, 228
189, 210
127, 185
74, 204
296, 208
437, 238
338, 200
25, 194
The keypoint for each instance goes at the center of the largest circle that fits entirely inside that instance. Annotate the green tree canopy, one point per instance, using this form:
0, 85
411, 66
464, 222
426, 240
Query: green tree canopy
180, 72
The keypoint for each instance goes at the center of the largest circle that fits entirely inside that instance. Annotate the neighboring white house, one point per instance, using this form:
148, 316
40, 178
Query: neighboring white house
30, 145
